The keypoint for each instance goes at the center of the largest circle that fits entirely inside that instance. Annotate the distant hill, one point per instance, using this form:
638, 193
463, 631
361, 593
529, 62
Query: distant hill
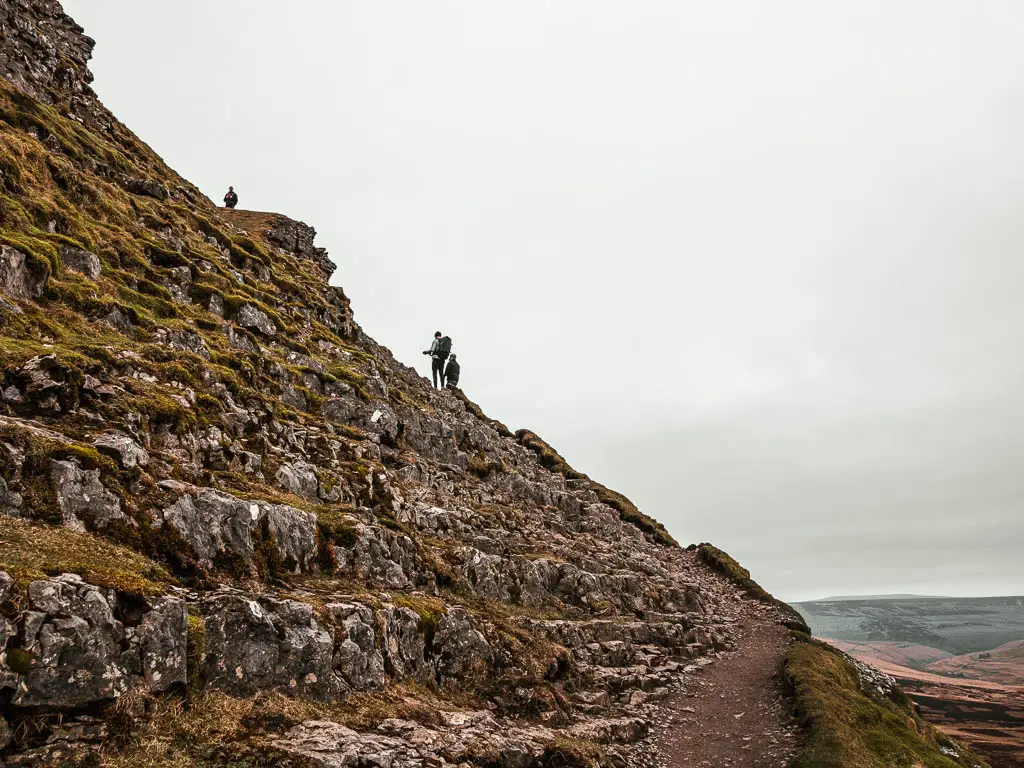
957, 625
844, 598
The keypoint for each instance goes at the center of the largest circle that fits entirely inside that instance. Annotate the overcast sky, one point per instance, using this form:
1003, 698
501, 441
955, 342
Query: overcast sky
757, 265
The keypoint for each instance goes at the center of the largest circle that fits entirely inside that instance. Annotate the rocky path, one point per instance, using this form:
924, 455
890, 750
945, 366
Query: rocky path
734, 712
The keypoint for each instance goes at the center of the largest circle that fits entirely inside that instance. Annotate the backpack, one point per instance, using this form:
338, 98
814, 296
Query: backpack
444, 347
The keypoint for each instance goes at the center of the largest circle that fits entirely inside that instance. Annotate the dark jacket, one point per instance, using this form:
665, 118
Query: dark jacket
451, 372
230, 198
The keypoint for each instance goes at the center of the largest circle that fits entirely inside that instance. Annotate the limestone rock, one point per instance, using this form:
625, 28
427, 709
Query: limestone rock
74, 642
119, 320
161, 641
82, 498
297, 238
147, 188
294, 532
213, 523
84, 262
357, 657
10, 502
235, 338
378, 555
122, 448
186, 341
299, 478
292, 396
403, 641
250, 316
460, 649
252, 646
19, 277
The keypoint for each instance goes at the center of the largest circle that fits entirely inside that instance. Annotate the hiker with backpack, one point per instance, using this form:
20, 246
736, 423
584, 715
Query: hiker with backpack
451, 373
231, 198
439, 350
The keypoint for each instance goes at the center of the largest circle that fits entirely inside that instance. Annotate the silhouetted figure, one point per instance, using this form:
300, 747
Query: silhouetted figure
451, 373
439, 350
231, 198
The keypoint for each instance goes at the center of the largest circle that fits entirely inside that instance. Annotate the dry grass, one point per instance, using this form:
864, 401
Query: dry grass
30, 551
214, 729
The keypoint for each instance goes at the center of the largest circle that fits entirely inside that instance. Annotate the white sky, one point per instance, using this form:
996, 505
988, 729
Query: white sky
757, 265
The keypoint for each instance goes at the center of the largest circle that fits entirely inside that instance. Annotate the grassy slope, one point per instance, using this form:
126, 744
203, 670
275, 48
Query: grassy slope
849, 728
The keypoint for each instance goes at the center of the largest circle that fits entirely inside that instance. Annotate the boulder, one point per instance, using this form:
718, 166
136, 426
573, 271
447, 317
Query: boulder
238, 340
253, 646
214, 523
460, 650
20, 278
294, 532
119, 320
72, 646
8, 628
215, 305
300, 478
83, 262
122, 448
186, 341
82, 498
250, 316
292, 396
378, 556
357, 657
147, 188
403, 642
76, 652
45, 378
161, 641
10, 502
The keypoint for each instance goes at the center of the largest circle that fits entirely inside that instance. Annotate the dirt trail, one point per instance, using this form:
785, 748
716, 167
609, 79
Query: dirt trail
734, 712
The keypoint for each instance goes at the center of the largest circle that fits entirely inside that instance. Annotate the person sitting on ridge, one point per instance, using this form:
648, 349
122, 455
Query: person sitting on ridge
439, 350
451, 373
231, 198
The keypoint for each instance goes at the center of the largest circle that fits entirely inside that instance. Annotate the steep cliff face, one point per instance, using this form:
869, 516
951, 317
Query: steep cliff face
234, 530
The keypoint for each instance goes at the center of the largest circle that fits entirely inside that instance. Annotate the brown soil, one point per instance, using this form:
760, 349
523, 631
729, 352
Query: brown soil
736, 711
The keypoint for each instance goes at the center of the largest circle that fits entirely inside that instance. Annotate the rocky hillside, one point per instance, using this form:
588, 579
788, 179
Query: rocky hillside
234, 530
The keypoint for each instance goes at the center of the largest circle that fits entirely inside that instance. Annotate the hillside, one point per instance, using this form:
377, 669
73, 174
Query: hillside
981, 709
941, 650
235, 531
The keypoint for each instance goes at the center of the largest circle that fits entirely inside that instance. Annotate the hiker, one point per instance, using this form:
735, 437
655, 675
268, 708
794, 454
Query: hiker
439, 350
231, 198
451, 373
